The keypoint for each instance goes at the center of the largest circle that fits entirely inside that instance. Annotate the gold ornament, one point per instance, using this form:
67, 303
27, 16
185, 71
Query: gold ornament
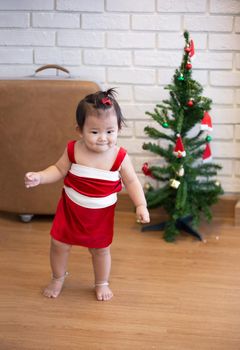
180, 172
174, 183
146, 186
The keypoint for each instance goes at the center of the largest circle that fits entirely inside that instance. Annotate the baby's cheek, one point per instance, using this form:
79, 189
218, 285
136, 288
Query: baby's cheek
112, 143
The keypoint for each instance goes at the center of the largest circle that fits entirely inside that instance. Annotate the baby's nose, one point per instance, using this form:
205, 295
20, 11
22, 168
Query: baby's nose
102, 137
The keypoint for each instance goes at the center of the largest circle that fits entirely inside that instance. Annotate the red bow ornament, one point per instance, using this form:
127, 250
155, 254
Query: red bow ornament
146, 171
190, 48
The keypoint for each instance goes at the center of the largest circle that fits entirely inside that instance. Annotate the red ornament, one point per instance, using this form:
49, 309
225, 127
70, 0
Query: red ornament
188, 66
146, 171
190, 103
190, 48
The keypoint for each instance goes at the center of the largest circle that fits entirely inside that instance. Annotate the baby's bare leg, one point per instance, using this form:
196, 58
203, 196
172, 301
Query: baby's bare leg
101, 259
59, 253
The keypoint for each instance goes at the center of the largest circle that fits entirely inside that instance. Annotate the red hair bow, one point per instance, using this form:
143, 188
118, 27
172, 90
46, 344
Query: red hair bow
106, 101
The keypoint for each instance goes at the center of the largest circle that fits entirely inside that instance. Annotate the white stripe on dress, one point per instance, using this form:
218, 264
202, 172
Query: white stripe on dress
90, 202
94, 173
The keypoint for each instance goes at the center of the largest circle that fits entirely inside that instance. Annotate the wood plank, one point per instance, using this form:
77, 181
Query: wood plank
167, 296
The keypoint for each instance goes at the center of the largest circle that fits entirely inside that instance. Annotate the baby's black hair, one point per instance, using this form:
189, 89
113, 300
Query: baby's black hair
99, 100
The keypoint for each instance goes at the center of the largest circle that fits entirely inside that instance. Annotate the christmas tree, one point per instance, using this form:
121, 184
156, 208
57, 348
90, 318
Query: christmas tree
187, 186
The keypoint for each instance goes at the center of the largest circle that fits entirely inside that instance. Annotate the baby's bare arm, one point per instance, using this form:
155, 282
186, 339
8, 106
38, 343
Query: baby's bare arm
134, 189
49, 175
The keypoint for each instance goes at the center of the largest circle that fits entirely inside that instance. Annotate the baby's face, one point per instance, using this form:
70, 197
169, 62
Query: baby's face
100, 131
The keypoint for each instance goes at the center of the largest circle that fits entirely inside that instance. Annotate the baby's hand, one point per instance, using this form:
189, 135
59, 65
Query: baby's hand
142, 214
32, 179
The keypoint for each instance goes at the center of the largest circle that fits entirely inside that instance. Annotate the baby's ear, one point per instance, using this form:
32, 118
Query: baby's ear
78, 130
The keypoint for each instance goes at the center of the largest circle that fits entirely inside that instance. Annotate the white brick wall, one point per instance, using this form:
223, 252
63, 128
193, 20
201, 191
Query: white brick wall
156, 22
225, 6
80, 5
223, 78
27, 5
209, 23
55, 20
182, 6
224, 42
131, 5
125, 40
14, 20
131, 76
105, 21
136, 46
80, 38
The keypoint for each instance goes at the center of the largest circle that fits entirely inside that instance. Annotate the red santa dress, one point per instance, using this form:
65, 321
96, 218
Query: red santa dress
85, 212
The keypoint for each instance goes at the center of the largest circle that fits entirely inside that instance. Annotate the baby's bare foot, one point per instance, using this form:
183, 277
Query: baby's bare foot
103, 292
55, 286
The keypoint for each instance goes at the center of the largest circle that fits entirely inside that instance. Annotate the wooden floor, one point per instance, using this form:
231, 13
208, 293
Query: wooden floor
182, 296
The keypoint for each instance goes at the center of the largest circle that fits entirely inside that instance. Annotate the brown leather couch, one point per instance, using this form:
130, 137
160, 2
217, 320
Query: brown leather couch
37, 118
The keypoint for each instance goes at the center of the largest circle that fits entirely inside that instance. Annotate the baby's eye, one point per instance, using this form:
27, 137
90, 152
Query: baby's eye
94, 132
110, 131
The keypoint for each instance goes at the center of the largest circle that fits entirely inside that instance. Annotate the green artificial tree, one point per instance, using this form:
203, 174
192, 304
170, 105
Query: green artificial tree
187, 186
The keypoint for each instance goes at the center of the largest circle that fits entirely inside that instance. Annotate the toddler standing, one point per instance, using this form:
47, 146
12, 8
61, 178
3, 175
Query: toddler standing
93, 169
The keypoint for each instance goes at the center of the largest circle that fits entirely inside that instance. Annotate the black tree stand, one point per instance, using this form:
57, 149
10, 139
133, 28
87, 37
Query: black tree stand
181, 224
